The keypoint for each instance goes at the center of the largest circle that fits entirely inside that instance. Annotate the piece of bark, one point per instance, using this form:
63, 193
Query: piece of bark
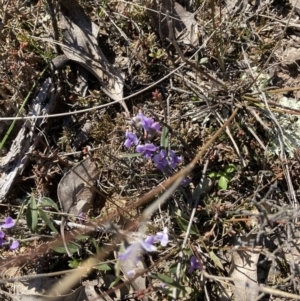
15, 161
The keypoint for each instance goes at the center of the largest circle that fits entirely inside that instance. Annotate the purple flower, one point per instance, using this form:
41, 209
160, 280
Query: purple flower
195, 265
81, 217
2, 240
163, 237
133, 251
9, 223
14, 245
160, 160
147, 123
147, 245
147, 150
131, 138
174, 160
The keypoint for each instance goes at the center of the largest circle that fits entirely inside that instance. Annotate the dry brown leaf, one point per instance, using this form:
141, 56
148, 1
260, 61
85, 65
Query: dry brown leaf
81, 46
244, 272
74, 190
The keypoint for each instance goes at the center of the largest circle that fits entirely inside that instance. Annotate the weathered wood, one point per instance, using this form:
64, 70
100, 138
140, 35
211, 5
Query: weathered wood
14, 163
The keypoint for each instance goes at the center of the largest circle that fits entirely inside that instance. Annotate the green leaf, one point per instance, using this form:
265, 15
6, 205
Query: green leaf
103, 267
73, 264
230, 168
94, 242
73, 248
32, 215
82, 237
183, 224
47, 221
216, 260
204, 60
223, 182
115, 282
173, 269
47, 202
214, 174
168, 281
164, 139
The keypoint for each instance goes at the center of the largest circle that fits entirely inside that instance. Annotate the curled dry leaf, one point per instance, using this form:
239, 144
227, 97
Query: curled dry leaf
75, 192
79, 35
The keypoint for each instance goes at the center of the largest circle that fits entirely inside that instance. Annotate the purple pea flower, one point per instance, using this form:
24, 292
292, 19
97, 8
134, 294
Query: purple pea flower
163, 237
147, 150
131, 138
133, 251
160, 160
147, 123
2, 240
195, 265
9, 223
174, 160
14, 245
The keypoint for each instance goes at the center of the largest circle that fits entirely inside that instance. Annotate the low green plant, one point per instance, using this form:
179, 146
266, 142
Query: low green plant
224, 176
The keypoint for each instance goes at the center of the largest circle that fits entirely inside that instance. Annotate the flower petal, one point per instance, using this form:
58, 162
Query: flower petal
9, 223
14, 245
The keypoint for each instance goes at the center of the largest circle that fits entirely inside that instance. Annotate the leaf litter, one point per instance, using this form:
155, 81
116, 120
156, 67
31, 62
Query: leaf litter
188, 67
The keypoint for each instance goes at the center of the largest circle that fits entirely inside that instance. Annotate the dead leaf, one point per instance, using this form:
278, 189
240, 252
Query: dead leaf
185, 26
34, 290
74, 190
244, 272
81, 46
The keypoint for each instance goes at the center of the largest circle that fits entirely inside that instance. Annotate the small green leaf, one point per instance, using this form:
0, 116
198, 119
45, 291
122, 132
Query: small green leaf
115, 282
47, 221
169, 281
183, 224
214, 174
32, 215
164, 139
204, 60
73, 264
230, 168
47, 202
82, 237
216, 260
73, 248
173, 269
103, 267
223, 182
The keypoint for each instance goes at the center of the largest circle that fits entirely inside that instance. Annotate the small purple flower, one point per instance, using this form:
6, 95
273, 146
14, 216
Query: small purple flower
133, 251
14, 245
81, 217
163, 237
147, 150
147, 123
160, 160
195, 265
2, 240
147, 245
131, 138
9, 223
174, 160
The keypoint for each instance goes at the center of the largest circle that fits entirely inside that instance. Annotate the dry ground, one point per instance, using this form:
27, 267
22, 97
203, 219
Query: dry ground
106, 61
